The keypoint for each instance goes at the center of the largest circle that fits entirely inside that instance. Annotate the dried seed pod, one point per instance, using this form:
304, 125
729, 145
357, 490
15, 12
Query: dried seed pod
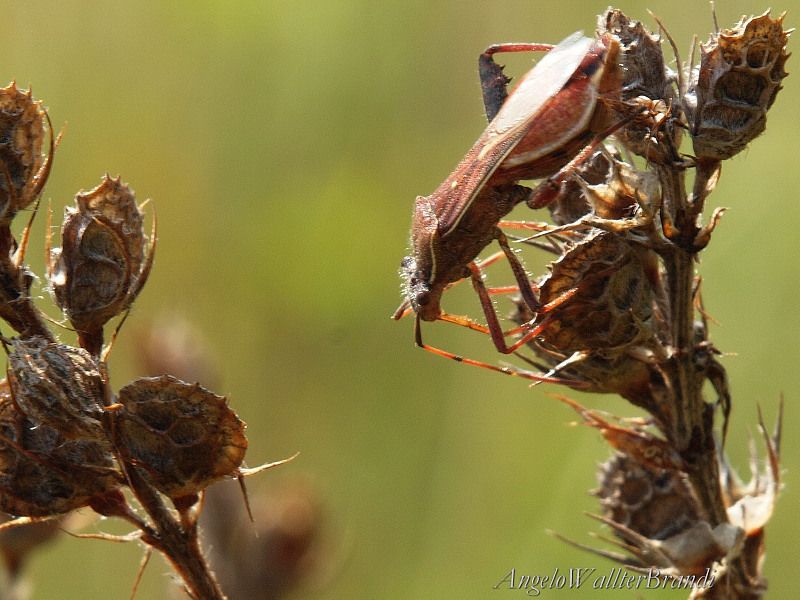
656, 503
624, 190
572, 204
644, 72
737, 81
23, 168
183, 436
645, 84
43, 473
606, 187
101, 266
613, 304
604, 337
655, 514
58, 386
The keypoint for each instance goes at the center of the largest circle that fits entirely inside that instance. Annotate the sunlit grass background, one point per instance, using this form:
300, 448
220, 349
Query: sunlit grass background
282, 144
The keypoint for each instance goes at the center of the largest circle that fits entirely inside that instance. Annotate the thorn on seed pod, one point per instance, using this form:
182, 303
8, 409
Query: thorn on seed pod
740, 74
101, 266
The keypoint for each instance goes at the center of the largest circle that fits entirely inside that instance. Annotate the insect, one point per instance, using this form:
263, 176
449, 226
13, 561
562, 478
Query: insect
542, 129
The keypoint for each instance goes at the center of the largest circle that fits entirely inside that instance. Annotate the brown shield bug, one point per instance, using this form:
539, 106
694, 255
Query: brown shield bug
542, 129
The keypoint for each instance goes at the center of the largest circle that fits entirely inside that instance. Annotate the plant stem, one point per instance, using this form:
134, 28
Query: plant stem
691, 430
180, 545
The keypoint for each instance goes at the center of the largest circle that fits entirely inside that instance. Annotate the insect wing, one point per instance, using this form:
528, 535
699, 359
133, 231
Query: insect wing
541, 83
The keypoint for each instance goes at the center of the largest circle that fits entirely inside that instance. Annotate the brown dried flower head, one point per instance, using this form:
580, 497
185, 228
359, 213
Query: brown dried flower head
612, 306
182, 435
23, 168
601, 336
656, 503
623, 191
572, 204
738, 79
57, 385
42, 473
101, 266
646, 84
655, 514
642, 61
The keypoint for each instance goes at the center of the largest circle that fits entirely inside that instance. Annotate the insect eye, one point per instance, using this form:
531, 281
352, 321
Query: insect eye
423, 298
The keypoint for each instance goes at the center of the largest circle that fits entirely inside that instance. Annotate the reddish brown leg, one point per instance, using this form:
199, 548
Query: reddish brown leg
493, 322
529, 375
540, 226
503, 289
493, 80
522, 278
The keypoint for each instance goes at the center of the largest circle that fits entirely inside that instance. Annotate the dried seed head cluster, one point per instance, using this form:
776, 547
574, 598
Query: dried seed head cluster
620, 309
66, 440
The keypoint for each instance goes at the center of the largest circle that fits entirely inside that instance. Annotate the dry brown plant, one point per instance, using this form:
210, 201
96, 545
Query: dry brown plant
620, 309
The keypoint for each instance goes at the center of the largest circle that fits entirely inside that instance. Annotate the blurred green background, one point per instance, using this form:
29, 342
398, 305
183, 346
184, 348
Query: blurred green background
283, 144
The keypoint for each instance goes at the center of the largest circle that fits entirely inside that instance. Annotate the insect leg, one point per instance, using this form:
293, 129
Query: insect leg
493, 80
529, 375
523, 280
528, 330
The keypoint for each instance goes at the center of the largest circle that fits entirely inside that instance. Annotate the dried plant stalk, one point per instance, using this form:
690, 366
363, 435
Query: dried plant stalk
67, 440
